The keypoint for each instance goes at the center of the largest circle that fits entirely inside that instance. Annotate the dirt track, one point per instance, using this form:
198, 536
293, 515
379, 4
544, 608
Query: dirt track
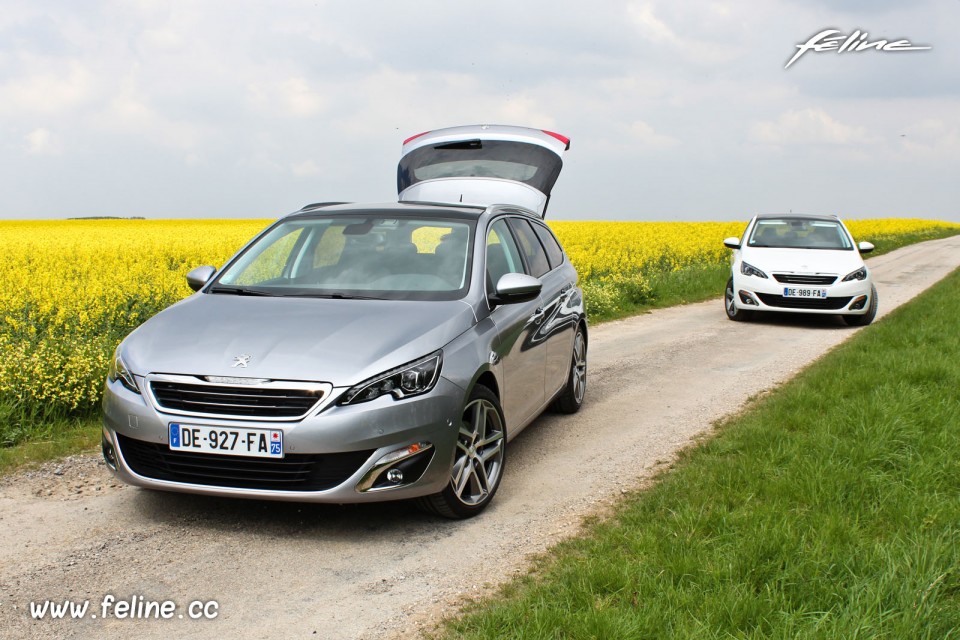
286, 570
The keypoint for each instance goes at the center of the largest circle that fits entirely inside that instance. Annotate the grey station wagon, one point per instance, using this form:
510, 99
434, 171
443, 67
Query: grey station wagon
356, 353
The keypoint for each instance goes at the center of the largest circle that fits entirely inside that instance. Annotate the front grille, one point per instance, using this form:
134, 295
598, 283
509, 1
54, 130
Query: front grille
241, 401
834, 304
294, 472
798, 278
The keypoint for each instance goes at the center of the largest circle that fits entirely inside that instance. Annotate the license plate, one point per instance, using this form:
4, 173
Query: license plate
795, 292
226, 441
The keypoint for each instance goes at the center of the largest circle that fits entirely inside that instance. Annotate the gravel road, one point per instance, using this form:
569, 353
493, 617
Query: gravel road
656, 382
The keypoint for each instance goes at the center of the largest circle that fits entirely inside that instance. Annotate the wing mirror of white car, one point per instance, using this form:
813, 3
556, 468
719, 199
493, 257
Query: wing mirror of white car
732, 242
200, 276
865, 247
516, 287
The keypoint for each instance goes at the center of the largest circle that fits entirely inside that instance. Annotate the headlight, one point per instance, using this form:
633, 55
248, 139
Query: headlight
859, 274
118, 371
411, 379
750, 270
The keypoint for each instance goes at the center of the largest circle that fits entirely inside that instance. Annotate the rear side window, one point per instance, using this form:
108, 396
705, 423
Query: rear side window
530, 246
554, 252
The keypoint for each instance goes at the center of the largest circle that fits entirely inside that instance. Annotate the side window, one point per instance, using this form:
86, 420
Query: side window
270, 264
531, 247
502, 254
554, 252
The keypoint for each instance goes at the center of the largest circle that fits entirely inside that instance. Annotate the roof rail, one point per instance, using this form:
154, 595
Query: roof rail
317, 205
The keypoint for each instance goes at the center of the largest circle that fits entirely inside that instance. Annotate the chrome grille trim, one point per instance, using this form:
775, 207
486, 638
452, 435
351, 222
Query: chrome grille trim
263, 401
805, 278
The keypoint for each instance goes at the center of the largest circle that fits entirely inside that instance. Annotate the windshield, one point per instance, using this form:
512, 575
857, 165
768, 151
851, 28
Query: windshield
355, 257
799, 233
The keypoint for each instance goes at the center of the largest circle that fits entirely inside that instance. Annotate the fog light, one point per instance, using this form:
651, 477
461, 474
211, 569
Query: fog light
109, 455
399, 467
859, 303
746, 298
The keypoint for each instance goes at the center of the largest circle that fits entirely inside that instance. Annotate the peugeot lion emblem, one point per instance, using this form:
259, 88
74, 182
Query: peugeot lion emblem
241, 361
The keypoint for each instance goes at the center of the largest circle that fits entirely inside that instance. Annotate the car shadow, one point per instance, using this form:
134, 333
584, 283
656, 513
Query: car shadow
804, 320
307, 521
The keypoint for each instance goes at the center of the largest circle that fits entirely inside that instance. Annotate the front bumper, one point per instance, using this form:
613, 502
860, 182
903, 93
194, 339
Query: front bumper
344, 446
760, 294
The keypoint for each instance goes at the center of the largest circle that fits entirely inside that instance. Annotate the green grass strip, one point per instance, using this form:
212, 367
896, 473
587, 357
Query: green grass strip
831, 509
61, 437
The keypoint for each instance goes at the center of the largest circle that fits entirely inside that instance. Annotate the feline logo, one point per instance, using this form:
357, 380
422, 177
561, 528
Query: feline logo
856, 41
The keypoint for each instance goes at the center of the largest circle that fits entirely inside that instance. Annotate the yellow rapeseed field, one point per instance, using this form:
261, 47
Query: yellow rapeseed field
70, 290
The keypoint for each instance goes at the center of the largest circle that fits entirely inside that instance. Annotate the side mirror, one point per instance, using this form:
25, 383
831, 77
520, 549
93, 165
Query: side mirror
732, 242
200, 276
865, 247
516, 287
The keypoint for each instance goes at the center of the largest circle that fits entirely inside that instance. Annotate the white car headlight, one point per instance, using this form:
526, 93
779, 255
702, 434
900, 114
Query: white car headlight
411, 379
750, 270
859, 274
118, 371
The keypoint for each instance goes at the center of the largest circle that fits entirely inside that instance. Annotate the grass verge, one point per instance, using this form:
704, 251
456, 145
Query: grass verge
829, 510
63, 438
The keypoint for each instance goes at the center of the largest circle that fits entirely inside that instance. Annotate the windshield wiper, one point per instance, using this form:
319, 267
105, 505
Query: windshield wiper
338, 296
241, 291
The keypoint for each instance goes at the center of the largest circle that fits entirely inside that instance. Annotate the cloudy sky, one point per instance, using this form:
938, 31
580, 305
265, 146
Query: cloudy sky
676, 110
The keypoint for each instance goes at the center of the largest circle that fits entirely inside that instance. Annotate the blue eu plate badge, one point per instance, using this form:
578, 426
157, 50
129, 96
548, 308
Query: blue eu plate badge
276, 443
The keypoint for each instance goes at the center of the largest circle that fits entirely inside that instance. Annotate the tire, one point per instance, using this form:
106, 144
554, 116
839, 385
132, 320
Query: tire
867, 318
734, 312
571, 398
478, 460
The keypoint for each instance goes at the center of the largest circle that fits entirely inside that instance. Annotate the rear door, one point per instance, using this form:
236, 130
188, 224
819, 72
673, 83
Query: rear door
482, 164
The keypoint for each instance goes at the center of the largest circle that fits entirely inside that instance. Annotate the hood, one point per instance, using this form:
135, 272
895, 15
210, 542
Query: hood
342, 342
809, 261
482, 165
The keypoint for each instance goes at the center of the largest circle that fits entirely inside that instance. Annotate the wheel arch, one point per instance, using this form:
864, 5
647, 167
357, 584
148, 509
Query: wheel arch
488, 380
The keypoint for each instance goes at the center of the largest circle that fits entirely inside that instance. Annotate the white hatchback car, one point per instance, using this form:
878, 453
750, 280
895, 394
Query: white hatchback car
800, 263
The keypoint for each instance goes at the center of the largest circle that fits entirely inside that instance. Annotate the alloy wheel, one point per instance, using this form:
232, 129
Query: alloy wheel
479, 457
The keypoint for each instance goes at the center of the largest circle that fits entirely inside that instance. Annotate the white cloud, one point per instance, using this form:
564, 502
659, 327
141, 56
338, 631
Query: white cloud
644, 135
931, 136
306, 168
129, 115
292, 96
41, 142
701, 50
46, 86
808, 126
